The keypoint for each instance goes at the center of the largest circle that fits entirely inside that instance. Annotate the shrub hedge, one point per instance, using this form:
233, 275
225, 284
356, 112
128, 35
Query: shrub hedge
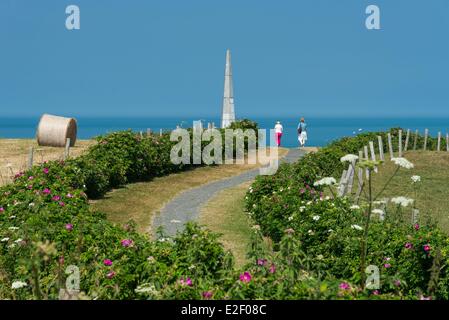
407, 256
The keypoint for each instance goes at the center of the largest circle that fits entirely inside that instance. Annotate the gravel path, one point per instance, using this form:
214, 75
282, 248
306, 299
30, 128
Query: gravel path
186, 206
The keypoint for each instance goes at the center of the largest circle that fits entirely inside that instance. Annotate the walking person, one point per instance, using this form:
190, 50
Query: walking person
302, 132
278, 129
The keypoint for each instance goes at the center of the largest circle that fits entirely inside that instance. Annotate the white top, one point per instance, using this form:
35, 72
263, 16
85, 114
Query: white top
278, 128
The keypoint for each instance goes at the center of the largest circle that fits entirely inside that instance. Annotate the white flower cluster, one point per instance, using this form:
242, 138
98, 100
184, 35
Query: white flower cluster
18, 284
378, 211
356, 226
328, 181
403, 163
416, 179
316, 218
354, 207
402, 201
147, 288
349, 158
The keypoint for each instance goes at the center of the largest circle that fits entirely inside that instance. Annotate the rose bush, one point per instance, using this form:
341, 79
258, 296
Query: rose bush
330, 231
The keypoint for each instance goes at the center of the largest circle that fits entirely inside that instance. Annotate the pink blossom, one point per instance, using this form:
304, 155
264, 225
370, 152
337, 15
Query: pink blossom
344, 286
29, 187
387, 265
408, 245
18, 175
107, 262
61, 260
186, 282
245, 277
126, 242
30, 178
45, 170
376, 292
207, 294
1, 209
426, 247
397, 283
416, 226
69, 227
261, 262
272, 268
46, 191
61, 203
110, 275
302, 191
56, 198
387, 258
69, 195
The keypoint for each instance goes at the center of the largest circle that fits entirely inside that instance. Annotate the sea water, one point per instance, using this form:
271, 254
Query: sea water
320, 130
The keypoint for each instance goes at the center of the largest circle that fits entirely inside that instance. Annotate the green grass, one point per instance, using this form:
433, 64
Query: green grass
433, 195
225, 214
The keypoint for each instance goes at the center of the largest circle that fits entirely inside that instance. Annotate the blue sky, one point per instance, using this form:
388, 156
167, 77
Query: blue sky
166, 58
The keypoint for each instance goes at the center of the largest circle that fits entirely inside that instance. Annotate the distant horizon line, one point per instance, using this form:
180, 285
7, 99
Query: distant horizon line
198, 117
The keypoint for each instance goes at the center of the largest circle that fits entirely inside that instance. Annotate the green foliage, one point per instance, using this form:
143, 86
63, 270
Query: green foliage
46, 225
327, 230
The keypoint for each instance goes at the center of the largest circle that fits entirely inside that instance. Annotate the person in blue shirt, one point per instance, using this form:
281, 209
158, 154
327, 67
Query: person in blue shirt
302, 132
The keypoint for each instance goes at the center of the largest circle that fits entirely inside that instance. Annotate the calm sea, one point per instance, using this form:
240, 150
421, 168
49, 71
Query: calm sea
320, 130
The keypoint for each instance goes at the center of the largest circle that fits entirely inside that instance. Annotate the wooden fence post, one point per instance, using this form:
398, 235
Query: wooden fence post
373, 154
30, 158
160, 131
447, 142
439, 141
341, 185
359, 179
390, 146
365, 150
407, 138
381, 148
415, 216
351, 177
67, 148
426, 133
416, 140
148, 132
400, 143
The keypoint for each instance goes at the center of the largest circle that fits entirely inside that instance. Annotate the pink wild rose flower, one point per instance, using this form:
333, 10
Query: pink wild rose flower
245, 277
107, 262
126, 242
186, 282
344, 286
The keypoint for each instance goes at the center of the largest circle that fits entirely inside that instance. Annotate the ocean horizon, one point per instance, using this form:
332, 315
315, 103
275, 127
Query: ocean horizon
321, 130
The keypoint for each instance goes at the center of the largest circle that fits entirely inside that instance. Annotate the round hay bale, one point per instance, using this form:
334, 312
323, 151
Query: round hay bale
53, 131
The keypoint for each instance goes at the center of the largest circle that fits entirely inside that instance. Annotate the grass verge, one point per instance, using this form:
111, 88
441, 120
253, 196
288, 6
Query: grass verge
225, 214
141, 201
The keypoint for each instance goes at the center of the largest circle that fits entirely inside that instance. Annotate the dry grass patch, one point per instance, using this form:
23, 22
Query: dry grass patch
14, 155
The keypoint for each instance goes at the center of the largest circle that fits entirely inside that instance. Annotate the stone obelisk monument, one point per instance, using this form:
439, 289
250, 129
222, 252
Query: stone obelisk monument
228, 115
